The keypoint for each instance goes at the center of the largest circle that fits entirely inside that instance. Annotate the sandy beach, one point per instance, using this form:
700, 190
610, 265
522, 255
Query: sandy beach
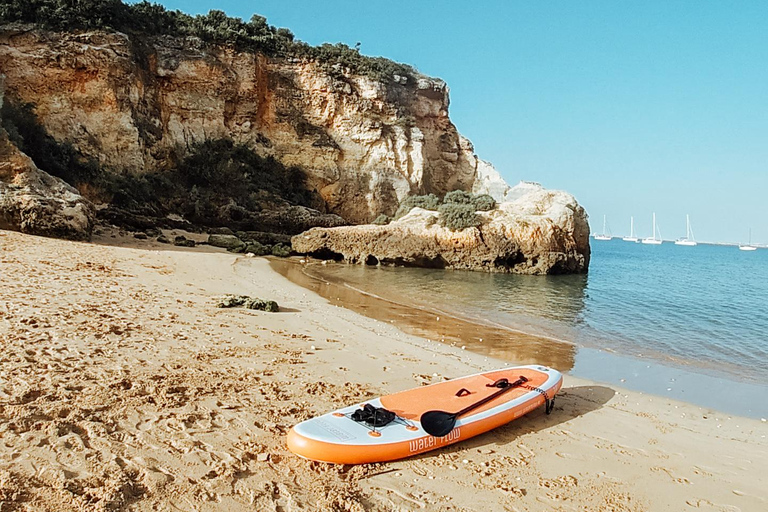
123, 387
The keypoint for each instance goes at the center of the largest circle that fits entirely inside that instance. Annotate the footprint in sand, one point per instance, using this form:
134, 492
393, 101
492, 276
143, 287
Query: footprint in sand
148, 423
679, 480
708, 505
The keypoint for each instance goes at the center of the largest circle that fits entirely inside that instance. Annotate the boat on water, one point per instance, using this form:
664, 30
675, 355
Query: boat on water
652, 240
605, 234
749, 246
688, 240
632, 236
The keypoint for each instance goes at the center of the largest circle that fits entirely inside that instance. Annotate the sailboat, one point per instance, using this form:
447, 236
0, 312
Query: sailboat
632, 236
652, 240
749, 246
688, 240
603, 236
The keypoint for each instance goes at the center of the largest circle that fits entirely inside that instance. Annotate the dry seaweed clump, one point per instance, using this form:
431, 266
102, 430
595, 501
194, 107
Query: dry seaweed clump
233, 301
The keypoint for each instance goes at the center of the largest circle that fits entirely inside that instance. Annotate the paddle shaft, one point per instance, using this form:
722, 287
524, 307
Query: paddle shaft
487, 399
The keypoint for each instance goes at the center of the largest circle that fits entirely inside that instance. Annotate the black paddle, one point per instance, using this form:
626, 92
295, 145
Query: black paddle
440, 423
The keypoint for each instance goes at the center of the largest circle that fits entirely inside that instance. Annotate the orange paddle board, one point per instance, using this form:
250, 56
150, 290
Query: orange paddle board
336, 437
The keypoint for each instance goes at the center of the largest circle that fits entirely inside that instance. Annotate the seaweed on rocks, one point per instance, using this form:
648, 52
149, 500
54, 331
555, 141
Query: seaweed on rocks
233, 301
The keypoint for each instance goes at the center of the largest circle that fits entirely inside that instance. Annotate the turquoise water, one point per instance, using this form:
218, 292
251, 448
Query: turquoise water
667, 319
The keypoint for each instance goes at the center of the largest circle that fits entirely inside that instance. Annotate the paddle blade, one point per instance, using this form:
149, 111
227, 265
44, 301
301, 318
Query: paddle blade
438, 423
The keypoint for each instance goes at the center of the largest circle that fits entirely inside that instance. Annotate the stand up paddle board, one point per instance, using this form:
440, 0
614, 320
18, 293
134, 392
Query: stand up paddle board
395, 426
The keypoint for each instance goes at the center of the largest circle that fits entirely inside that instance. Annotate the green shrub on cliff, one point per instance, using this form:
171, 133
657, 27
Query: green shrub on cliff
382, 220
236, 171
145, 18
339, 54
458, 197
428, 202
484, 203
219, 182
456, 217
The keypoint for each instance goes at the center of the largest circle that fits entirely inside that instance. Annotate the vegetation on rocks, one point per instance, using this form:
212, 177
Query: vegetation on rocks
382, 220
457, 197
235, 244
457, 209
281, 251
482, 202
428, 202
456, 217
149, 19
219, 182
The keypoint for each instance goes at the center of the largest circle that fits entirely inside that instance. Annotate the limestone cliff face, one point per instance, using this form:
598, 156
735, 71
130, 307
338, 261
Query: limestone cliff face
34, 202
135, 105
539, 232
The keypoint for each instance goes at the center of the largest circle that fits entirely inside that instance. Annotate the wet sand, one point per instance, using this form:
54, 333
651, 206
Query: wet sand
704, 387
122, 387
504, 344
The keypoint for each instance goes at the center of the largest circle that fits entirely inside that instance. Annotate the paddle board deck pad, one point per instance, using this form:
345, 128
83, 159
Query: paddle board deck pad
337, 438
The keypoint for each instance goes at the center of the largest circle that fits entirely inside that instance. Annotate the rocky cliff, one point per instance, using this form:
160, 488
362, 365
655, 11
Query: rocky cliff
539, 232
136, 105
32, 201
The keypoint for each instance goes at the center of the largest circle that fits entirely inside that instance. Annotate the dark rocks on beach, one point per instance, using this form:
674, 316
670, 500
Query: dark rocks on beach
264, 238
142, 220
220, 231
163, 239
233, 301
253, 242
182, 241
225, 241
281, 251
257, 249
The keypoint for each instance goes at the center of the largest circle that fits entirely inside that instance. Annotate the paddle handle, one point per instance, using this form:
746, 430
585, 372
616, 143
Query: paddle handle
487, 399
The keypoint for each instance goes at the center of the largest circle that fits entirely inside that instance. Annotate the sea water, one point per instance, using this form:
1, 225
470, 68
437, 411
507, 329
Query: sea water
687, 322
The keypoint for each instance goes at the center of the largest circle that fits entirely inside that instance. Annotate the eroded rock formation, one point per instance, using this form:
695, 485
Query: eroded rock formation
540, 232
134, 105
35, 202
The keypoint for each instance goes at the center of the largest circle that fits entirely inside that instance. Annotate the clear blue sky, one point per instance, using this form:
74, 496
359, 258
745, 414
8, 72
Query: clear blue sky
633, 107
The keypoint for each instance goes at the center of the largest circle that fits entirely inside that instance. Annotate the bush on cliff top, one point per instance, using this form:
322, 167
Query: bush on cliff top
146, 18
382, 220
484, 203
455, 206
458, 197
456, 216
428, 202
